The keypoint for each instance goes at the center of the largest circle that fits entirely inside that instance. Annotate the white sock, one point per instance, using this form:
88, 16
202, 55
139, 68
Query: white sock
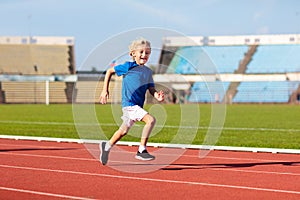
107, 146
142, 148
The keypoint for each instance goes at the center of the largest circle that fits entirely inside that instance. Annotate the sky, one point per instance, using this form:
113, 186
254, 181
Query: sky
96, 24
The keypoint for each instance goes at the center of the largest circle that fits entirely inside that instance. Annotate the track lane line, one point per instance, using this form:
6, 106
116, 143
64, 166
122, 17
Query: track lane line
192, 156
178, 165
155, 180
159, 126
195, 156
43, 193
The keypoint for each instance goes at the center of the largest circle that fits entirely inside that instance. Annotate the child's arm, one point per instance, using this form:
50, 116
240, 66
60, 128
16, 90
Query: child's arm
105, 93
160, 96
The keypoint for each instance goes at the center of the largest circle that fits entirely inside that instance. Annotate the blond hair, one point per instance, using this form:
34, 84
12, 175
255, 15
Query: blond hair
134, 44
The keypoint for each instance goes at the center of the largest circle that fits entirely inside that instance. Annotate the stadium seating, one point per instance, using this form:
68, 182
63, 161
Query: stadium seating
89, 91
265, 92
275, 59
34, 59
266, 59
208, 91
250, 67
34, 92
57, 92
207, 59
24, 92
226, 58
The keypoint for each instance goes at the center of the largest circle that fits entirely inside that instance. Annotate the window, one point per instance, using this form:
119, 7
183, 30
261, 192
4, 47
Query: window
24, 40
211, 41
33, 41
69, 41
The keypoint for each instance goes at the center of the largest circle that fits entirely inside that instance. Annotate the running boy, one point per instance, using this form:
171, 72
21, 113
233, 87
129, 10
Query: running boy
137, 79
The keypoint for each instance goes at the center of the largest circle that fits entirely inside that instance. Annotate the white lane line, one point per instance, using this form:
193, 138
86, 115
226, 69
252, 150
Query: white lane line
191, 156
155, 180
43, 193
216, 167
48, 156
257, 171
159, 126
45, 147
97, 150
164, 145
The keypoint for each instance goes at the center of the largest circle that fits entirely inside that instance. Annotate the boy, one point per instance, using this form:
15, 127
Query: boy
137, 79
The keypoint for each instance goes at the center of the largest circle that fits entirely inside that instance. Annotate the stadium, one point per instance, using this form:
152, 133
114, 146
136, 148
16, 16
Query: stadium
48, 130
251, 69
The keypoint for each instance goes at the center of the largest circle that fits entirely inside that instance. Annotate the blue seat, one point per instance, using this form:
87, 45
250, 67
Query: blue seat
207, 59
265, 92
207, 92
275, 59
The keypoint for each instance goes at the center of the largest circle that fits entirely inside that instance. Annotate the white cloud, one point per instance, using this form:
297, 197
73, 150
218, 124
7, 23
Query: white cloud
263, 30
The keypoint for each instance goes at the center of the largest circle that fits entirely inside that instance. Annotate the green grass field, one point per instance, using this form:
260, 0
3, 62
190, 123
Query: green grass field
253, 125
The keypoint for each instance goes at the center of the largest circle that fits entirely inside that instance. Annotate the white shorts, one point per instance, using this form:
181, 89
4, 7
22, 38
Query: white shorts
131, 114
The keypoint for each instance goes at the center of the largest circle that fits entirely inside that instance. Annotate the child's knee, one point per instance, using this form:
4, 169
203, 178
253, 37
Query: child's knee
151, 120
123, 131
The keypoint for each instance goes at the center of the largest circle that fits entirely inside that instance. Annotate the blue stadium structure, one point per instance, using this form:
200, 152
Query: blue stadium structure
246, 69
206, 59
265, 91
275, 59
208, 91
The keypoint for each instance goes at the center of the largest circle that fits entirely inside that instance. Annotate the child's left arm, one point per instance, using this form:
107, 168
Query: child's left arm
160, 96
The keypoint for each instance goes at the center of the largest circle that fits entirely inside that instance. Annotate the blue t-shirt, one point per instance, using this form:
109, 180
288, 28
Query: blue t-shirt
136, 80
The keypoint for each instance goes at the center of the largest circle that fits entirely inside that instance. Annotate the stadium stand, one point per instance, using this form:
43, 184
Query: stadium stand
264, 92
28, 62
208, 91
207, 59
238, 56
24, 92
89, 91
35, 92
57, 92
36, 59
231, 69
275, 59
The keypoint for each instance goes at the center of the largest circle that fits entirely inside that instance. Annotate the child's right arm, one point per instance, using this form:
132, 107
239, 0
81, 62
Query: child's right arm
105, 93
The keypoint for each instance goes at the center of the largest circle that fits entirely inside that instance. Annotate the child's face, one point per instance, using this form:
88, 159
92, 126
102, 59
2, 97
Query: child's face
141, 54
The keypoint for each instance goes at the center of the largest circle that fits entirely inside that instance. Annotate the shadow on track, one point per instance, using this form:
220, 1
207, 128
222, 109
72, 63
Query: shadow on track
226, 165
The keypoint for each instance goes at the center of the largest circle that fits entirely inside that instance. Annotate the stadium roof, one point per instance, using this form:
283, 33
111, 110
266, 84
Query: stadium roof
232, 40
43, 40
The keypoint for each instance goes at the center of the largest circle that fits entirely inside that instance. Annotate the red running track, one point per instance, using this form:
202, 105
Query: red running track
51, 170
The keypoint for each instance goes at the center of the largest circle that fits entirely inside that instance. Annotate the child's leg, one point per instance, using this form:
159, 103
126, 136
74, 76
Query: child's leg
123, 130
106, 146
150, 122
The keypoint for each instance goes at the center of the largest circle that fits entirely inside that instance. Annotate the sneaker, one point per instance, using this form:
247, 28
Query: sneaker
144, 156
103, 153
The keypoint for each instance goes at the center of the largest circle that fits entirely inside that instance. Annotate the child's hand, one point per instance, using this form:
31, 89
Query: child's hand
160, 96
104, 97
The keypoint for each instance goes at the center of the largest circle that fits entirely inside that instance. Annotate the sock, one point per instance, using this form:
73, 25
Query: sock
107, 146
142, 148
